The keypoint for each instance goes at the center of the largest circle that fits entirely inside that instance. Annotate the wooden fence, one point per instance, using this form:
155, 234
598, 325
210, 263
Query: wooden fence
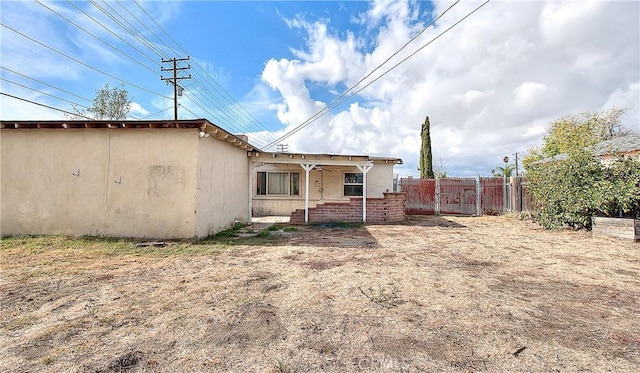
466, 196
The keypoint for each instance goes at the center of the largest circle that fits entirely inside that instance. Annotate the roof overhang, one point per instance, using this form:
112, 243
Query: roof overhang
206, 128
318, 159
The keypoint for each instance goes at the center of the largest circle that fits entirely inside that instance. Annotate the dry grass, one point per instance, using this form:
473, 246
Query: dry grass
434, 294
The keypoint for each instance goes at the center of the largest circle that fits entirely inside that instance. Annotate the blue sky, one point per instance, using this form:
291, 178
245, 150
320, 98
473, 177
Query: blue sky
491, 85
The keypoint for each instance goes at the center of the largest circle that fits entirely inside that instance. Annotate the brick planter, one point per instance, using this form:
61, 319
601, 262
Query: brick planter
388, 209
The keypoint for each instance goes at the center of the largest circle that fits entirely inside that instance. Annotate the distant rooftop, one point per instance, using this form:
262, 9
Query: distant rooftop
622, 144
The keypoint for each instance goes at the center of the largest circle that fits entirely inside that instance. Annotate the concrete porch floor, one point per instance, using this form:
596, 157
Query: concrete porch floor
263, 222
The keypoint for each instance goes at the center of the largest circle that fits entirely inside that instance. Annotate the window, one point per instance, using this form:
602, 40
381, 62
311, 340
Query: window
278, 183
353, 183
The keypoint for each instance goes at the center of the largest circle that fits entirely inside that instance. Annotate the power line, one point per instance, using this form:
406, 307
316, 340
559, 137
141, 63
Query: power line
110, 31
42, 92
135, 33
336, 102
244, 111
47, 84
142, 23
156, 113
43, 105
82, 63
187, 109
95, 37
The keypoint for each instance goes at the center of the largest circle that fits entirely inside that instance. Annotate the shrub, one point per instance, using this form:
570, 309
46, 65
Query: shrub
570, 192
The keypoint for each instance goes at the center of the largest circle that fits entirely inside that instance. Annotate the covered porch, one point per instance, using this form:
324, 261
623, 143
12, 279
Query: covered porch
281, 183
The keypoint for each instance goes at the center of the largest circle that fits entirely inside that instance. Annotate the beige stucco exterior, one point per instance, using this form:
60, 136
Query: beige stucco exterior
326, 185
154, 183
154, 179
223, 180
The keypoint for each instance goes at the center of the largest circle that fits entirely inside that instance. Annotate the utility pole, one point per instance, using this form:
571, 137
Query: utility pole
516, 164
174, 80
283, 148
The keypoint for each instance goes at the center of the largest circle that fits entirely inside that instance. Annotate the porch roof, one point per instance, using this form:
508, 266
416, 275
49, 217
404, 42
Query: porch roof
319, 159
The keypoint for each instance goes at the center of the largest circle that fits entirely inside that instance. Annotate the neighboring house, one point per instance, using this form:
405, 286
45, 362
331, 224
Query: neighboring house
174, 179
160, 179
609, 150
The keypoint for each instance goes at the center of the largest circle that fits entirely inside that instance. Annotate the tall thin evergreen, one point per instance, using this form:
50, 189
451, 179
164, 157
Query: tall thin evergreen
426, 159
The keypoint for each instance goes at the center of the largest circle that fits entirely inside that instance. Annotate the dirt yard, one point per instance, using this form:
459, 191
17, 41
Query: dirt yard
434, 294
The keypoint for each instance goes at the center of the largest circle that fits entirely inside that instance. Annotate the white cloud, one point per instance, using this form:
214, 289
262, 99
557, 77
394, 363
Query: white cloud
137, 110
490, 86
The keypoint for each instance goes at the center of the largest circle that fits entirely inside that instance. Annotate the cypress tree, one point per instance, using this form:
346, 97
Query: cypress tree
426, 159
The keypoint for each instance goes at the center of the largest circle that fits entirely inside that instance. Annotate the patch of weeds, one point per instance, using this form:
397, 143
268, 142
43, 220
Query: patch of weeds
227, 233
291, 229
263, 234
127, 361
21, 322
231, 232
275, 227
281, 367
382, 296
90, 309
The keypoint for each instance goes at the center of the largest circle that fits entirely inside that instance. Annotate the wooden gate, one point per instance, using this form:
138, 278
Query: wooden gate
452, 196
492, 192
458, 196
421, 196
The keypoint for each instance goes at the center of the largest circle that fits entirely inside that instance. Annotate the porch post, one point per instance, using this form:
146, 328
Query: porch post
364, 168
250, 212
306, 168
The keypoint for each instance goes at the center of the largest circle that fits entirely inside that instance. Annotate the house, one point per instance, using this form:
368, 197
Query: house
160, 179
608, 151
174, 179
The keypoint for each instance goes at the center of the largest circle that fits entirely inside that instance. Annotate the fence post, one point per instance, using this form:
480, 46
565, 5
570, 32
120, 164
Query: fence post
437, 199
504, 193
478, 191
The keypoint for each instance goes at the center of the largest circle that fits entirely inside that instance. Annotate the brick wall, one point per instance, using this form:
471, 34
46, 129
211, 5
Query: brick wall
388, 209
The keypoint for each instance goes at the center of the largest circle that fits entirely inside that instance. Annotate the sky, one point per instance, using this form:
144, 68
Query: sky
491, 84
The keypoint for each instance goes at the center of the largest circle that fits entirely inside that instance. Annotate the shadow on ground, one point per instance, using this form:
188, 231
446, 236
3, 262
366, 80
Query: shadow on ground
430, 221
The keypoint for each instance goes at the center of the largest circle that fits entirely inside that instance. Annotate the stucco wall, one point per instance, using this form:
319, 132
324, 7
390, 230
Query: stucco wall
223, 185
131, 183
324, 186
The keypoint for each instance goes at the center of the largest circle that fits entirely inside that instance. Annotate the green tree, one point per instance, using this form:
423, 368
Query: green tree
426, 159
577, 132
506, 171
109, 103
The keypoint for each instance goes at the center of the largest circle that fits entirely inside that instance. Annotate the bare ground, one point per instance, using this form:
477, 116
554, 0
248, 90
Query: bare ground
434, 294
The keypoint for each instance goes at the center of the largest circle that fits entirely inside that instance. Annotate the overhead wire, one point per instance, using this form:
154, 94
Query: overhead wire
156, 113
42, 92
96, 37
83, 63
45, 83
131, 29
111, 31
43, 105
225, 93
209, 101
142, 23
341, 99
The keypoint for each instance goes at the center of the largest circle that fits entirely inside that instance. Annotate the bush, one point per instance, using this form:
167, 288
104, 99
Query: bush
570, 192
